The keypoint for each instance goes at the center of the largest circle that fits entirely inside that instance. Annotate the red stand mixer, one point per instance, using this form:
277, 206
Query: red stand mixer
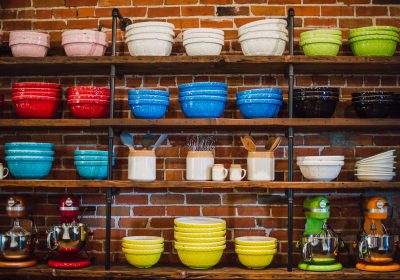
68, 238
18, 244
376, 247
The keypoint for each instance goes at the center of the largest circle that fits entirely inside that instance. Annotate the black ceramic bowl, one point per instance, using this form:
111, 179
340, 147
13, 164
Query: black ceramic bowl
389, 97
370, 93
314, 107
323, 91
373, 109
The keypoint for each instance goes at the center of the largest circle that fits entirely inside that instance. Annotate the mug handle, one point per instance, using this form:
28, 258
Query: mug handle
225, 173
244, 172
4, 175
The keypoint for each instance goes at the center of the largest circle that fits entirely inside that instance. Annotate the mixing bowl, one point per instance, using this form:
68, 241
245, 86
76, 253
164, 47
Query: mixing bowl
373, 108
200, 257
324, 171
29, 167
314, 106
256, 241
67, 237
19, 246
141, 240
319, 250
377, 248
142, 258
29, 146
203, 86
148, 108
259, 108
203, 106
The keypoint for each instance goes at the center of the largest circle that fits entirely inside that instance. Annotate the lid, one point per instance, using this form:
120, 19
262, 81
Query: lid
142, 153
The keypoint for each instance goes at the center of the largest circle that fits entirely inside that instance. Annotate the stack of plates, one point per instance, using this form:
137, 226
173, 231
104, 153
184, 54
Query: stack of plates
142, 251
255, 252
200, 241
379, 167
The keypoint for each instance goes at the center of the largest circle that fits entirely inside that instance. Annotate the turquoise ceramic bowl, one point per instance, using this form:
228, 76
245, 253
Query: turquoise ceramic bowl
29, 146
90, 153
374, 45
29, 167
29, 153
92, 172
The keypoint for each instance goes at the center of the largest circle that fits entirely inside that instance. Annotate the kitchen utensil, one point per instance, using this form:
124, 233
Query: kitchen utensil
147, 140
248, 143
275, 144
127, 139
200, 143
3, 171
270, 141
160, 140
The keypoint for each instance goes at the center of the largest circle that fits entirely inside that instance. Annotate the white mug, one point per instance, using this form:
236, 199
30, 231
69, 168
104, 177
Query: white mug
219, 173
198, 165
236, 173
142, 165
260, 166
2, 170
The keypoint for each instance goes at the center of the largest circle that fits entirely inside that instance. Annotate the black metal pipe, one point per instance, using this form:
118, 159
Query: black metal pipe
290, 141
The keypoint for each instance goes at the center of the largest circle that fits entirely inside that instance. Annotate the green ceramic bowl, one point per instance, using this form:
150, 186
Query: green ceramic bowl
322, 32
373, 32
375, 28
379, 45
317, 46
320, 40
320, 36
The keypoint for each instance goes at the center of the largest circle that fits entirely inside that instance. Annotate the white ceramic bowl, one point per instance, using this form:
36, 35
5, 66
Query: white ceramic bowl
320, 158
380, 155
139, 45
203, 46
280, 29
150, 24
324, 171
385, 161
203, 36
150, 29
275, 23
203, 30
257, 44
374, 177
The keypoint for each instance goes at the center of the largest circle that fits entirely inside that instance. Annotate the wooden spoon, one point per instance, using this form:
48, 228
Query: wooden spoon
248, 143
269, 143
275, 144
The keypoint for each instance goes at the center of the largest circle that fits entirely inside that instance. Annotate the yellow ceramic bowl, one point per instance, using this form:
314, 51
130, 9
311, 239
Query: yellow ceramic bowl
255, 261
200, 249
204, 259
143, 260
197, 230
256, 252
267, 247
142, 252
200, 234
200, 240
199, 222
141, 240
142, 247
255, 240
206, 245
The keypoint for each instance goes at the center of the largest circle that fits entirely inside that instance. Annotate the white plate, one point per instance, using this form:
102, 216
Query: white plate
379, 156
374, 177
370, 173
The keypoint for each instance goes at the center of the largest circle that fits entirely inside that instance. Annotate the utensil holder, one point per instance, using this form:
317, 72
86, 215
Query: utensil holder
199, 165
260, 166
142, 165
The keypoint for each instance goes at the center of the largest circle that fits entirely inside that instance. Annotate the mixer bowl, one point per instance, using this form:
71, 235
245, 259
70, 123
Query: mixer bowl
17, 247
319, 250
376, 248
67, 237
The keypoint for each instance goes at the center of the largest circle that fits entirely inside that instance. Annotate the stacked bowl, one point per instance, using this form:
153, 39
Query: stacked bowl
92, 164
34, 100
264, 37
373, 104
315, 102
379, 167
152, 38
255, 252
203, 99
142, 251
29, 43
87, 102
148, 104
84, 42
374, 40
199, 241
321, 42
29, 160
320, 168
203, 41
259, 103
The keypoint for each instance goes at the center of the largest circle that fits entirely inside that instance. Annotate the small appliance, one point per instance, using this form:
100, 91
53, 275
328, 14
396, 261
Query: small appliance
68, 238
18, 244
376, 247
319, 244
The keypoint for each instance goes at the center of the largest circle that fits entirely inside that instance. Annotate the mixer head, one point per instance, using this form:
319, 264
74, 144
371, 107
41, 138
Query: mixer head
69, 208
17, 207
376, 208
316, 207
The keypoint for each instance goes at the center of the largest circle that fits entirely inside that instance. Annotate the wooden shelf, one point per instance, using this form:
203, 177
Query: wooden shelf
198, 184
166, 272
207, 124
224, 64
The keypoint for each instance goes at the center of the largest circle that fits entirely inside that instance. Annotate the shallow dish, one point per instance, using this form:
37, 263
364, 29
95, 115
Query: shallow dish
193, 244
29, 146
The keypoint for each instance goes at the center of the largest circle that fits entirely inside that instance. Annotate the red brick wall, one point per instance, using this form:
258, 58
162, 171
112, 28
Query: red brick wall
143, 211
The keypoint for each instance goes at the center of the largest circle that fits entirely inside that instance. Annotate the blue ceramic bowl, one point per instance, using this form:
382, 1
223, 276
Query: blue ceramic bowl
29, 146
260, 96
203, 86
203, 97
30, 158
90, 162
148, 108
90, 153
203, 106
29, 153
92, 172
147, 96
92, 158
203, 92
33, 168
148, 91
260, 90
259, 108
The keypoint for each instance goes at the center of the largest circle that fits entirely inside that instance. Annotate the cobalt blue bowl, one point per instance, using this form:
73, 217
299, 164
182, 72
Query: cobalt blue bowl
148, 91
148, 108
29, 167
203, 92
260, 96
259, 108
203, 86
29, 146
203, 106
29, 153
259, 91
90, 153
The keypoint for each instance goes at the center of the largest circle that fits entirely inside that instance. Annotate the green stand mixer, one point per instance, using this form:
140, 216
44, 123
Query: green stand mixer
319, 244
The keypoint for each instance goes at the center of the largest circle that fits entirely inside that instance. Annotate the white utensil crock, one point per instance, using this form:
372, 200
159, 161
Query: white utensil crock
260, 166
198, 165
142, 165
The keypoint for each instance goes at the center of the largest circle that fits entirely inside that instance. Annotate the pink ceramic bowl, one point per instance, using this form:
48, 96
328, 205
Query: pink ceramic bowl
84, 49
84, 35
29, 35
28, 50
29, 42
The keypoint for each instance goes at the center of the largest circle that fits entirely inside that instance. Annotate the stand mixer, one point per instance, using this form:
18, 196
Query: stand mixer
18, 244
68, 238
375, 246
319, 244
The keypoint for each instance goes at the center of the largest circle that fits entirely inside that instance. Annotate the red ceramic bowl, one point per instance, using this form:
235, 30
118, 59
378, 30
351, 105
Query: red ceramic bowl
34, 93
36, 107
35, 85
35, 97
27, 89
89, 111
89, 96
88, 90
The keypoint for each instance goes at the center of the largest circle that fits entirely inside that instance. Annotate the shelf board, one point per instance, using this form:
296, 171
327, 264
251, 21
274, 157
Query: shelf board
44, 123
167, 272
197, 184
223, 64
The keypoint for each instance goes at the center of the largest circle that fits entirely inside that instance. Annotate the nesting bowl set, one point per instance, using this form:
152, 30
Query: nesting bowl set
29, 160
148, 104
373, 104
36, 100
199, 241
92, 164
203, 41
203, 99
325, 42
320, 168
259, 103
87, 102
380, 167
84, 42
315, 102
142, 251
255, 252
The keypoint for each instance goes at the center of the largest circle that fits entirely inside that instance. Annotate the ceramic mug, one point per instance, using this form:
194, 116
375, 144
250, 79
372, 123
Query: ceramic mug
142, 165
3, 171
236, 173
219, 173
260, 166
198, 165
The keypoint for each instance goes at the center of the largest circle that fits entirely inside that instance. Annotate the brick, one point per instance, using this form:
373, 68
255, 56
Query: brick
82, 23
163, 12
251, 1
7, 4
17, 25
240, 222
116, 234
131, 199
371, 11
218, 2
49, 25
320, 22
80, 139
233, 11
211, 23
180, 2
387, 140
337, 11
354, 22
177, 211
284, 2
73, 3
268, 10
116, 211
355, 1
203, 199
319, 2
181, 23
162, 222
198, 11
254, 211
149, 211
307, 11
272, 222
239, 199
219, 211
147, 2
132, 222
167, 199
86, 12
114, 3
97, 222
47, 3
64, 13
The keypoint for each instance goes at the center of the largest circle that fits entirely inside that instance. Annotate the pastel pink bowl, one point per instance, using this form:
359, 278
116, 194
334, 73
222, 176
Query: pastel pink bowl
29, 50
84, 49
29, 42
29, 35
84, 35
